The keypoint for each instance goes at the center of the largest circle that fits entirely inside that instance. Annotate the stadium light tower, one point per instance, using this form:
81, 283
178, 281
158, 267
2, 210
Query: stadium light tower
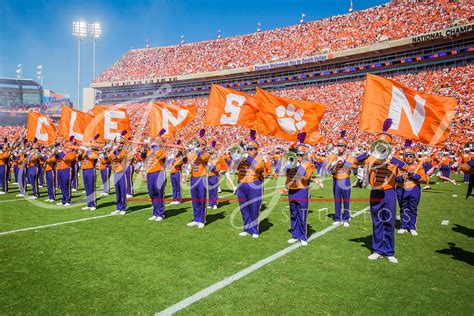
79, 31
95, 31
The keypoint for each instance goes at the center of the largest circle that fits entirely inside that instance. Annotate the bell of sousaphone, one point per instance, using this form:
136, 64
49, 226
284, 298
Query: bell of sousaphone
380, 149
290, 160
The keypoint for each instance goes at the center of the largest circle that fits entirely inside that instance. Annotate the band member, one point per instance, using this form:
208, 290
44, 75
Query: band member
428, 168
74, 169
468, 168
383, 199
22, 185
50, 173
89, 159
155, 159
445, 168
117, 158
15, 159
105, 171
213, 178
129, 170
4, 158
340, 165
32, 167
199, 160
250, 187
64, 161
298, 179
175, 175
277, 163
466, 157
408, 190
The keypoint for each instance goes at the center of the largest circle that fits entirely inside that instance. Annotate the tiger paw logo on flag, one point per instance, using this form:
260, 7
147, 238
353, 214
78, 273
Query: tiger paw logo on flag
286, 118
290, 119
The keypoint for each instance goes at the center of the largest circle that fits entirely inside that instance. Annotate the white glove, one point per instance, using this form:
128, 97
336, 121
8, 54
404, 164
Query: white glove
236, 156
244, 156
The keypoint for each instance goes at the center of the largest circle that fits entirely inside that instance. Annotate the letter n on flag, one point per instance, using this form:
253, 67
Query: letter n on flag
286, 118
415, 115
109, 123
172, 118
73, 123
41, 127
228, 107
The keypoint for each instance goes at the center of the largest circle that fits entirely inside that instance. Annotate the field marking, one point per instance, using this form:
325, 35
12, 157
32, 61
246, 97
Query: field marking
12, 200
237, 276
90, 218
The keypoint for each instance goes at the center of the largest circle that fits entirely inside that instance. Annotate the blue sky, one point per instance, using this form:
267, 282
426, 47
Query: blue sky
34, 32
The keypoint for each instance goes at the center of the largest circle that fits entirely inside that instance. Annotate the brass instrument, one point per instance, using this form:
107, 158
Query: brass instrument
193, 144
380, 149
236, 151
289, 160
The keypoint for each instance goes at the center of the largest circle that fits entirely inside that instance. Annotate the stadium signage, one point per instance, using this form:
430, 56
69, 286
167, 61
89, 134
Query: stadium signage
293, 62
444, 33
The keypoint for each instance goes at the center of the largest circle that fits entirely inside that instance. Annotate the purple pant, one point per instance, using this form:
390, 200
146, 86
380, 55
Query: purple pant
298, 199
41, 175
105, 176
22, 180
156, 182
129, 179
74, 176
64, 180
277, 166
3, 178
33, 178
50, 184
250, 200
213, 186
198, 197
408, 199
120, 190
89, 185
15, 173
176, 185
341, 189
466, 178
445, 171
383, 207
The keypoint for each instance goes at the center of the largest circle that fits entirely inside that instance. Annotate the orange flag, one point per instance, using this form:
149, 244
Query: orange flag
415, 115
73, 123
170, 117
109, 123
286, 118
41, 127
228, 107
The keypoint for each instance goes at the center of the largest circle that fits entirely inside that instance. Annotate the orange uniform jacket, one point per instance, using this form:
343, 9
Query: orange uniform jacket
198, 169
3, 158
118, 161
176, 165
65, 162
410, 182
342, 170
89, 161
155, 160
297, 181
251, 172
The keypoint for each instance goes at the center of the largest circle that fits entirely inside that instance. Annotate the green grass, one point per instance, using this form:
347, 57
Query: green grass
128, 265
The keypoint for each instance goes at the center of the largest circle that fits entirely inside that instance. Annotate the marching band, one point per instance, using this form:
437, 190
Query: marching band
395, 177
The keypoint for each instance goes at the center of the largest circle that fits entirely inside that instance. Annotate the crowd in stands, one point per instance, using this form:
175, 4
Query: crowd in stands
343, 102
20, 108
394, 20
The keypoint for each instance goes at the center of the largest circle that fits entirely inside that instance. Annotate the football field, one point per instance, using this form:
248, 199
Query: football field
56, 260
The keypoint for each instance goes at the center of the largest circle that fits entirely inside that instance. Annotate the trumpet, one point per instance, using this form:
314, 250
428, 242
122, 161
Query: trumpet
193, 144
236, 151
290, 160
380, 149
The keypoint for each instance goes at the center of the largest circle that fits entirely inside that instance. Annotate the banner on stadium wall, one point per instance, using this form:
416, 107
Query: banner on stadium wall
228, 107
109, 123
286, 118
41, 127
170, 117
443, 33
415, 115
293, 62
74, 123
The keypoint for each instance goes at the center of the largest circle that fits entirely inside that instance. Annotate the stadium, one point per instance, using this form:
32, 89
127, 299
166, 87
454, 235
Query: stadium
64, 259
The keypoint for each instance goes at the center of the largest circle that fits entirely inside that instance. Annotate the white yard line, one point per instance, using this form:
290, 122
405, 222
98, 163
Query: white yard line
4, 201
237, 276
83, 219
